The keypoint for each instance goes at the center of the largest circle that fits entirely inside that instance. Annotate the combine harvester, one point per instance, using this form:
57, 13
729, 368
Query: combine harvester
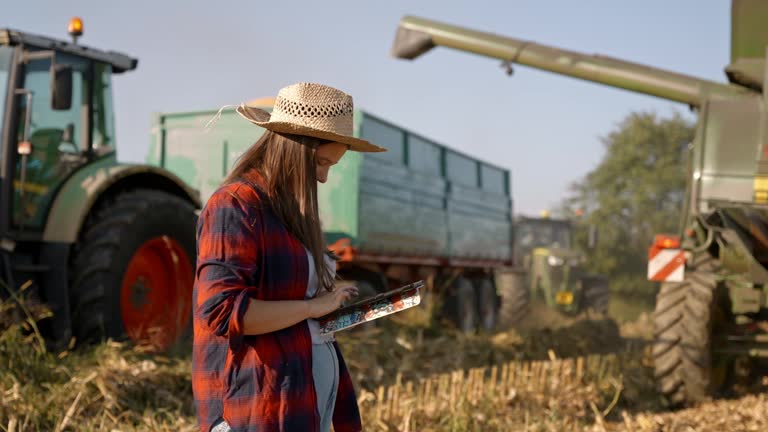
712, 309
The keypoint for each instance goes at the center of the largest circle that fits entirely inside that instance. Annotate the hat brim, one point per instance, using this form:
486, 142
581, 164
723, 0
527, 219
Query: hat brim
261, 118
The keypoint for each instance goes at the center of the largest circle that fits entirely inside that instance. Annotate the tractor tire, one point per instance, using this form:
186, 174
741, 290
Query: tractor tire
466, 305
133, 270
596, 295
687, 316
515, 298
488, 311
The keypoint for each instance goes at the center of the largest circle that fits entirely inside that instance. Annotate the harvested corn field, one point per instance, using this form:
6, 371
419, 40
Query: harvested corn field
584, 374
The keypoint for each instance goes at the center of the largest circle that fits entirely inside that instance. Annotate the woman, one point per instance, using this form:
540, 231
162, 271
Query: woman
263, 275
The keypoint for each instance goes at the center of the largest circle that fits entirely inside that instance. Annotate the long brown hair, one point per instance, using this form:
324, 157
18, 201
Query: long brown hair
288, 165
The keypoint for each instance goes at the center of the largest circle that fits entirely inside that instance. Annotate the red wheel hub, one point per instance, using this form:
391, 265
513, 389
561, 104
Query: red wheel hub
156, 295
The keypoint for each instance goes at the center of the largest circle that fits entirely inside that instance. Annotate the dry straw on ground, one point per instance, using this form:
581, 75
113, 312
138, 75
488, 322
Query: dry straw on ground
581, 375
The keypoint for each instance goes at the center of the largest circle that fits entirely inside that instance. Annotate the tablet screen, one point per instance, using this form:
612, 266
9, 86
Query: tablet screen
372, 308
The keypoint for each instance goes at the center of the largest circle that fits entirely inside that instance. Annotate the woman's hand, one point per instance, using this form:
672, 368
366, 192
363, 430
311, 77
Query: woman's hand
328, 301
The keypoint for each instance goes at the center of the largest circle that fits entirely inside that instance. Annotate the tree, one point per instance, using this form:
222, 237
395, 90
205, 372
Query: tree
637, 191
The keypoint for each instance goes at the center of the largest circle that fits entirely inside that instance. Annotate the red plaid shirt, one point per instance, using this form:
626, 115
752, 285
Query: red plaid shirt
263, 382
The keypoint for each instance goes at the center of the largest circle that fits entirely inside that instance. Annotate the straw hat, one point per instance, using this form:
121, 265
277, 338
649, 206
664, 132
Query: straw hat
312, 110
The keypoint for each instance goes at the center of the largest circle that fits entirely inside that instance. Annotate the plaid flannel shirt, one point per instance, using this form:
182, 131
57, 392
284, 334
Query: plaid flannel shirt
258, 382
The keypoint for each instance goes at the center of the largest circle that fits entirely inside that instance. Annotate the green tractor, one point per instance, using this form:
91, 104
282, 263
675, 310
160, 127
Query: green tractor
550, 272
109, 247
712, 308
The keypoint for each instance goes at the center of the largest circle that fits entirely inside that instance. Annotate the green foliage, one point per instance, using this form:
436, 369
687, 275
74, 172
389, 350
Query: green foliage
637, 191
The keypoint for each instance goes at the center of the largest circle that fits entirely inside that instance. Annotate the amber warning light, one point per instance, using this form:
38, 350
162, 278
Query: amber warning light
667, 242
75, 28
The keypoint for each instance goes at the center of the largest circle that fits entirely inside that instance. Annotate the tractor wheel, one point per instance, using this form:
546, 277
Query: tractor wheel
515, 298
466, 305
133, 270
488, 304
596, 294
687, 316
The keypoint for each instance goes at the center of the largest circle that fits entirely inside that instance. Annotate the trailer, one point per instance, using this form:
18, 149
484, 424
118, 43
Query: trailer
418, 211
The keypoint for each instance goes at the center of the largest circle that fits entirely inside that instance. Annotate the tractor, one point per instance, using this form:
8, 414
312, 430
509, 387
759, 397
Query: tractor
550, 271
109, 247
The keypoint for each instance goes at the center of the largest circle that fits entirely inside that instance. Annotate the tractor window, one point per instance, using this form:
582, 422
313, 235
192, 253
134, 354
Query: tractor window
5, 66
562, 237
534, 235
103, 116
57, 137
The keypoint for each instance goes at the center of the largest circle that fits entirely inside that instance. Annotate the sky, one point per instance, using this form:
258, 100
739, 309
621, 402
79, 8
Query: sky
545, 128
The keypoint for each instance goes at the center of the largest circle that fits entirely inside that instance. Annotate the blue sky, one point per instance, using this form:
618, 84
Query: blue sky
546, 128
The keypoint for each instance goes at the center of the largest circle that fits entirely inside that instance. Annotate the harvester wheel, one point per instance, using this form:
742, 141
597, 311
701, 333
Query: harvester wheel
133, 270
687, 316
515, 298
596, 294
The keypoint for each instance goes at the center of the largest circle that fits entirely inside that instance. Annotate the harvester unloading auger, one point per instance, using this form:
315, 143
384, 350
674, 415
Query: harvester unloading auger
712, 308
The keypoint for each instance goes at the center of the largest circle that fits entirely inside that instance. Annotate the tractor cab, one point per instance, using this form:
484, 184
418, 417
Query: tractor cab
543, 236
56, 115
554, 268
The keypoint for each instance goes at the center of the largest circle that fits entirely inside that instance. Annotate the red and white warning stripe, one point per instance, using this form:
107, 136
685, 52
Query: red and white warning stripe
666, 265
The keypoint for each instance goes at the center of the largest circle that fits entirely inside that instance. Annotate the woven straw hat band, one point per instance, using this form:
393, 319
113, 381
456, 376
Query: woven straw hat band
309, 109
316, 106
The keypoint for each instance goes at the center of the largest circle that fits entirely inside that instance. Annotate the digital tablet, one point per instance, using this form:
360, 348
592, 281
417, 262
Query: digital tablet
372, 308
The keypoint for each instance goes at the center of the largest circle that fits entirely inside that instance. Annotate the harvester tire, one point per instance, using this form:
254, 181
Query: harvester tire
515, 298
596, 295
686, 317
133, 269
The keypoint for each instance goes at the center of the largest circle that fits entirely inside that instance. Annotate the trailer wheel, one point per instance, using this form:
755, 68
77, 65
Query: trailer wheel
596, 294
365, 290
515, 298
133, 270
688, 314
466, 305
488, 304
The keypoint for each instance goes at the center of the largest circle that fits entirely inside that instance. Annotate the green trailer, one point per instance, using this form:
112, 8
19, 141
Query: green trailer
420, 210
